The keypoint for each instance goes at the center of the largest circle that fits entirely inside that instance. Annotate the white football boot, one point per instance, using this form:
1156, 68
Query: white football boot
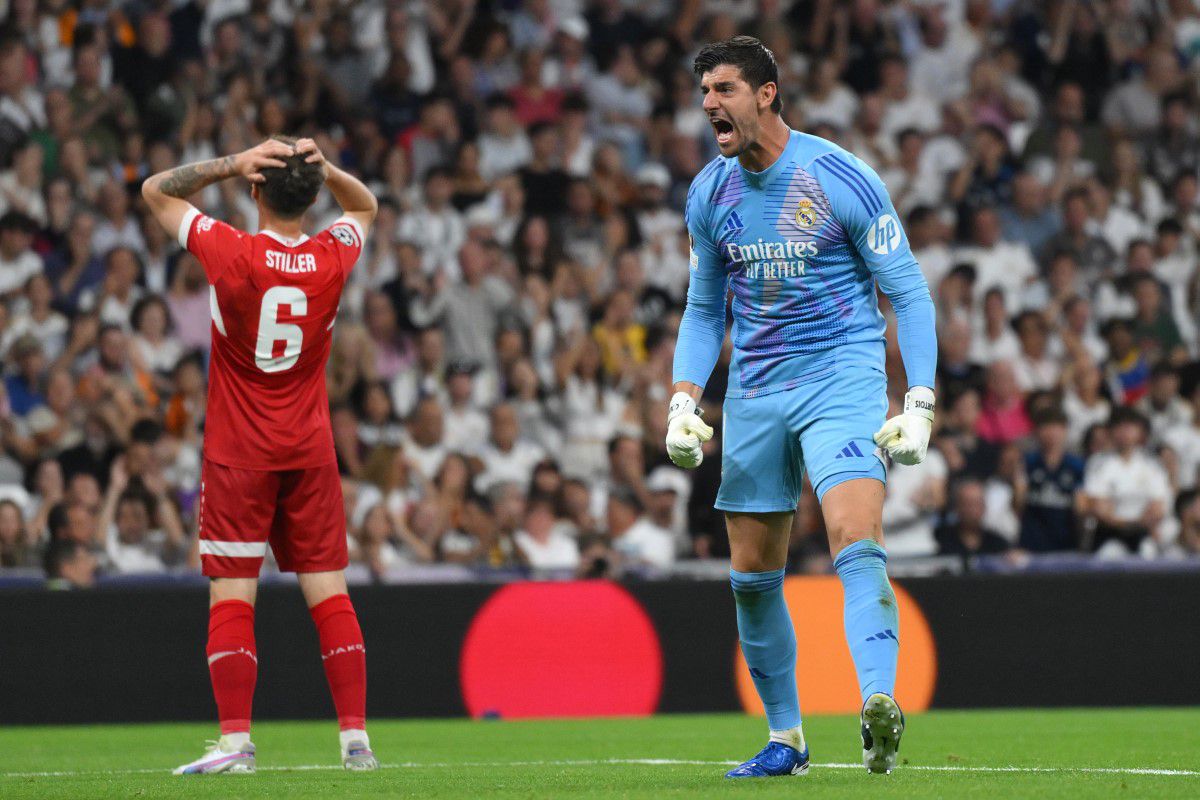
222, 756
356, 752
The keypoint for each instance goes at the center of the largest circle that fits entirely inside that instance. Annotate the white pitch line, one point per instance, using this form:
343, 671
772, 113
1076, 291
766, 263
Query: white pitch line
654, 762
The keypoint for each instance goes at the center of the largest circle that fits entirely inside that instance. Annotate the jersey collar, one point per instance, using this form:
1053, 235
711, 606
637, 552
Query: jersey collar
283, 240
759, 179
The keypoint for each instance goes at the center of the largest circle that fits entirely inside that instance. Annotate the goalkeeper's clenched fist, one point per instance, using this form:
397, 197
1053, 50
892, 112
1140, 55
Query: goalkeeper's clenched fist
906, 436
686, 432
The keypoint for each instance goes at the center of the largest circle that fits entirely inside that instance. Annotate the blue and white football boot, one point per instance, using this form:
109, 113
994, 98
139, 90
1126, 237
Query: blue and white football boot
772, 761
222, 757
357, 756
882, 727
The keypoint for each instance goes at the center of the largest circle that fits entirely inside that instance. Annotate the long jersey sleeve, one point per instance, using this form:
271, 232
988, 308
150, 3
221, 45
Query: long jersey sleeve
800, 248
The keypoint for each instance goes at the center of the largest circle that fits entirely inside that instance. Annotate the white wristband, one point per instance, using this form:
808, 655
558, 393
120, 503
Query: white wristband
919, 401
681, 403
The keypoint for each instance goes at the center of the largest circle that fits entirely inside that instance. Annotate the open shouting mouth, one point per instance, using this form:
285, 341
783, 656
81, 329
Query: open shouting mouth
724, 130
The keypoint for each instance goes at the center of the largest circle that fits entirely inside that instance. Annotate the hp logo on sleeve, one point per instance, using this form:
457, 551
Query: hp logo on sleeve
884, 235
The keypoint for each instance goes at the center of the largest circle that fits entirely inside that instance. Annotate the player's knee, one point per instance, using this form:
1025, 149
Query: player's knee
753, 562
222, 589
847, 533
318, 587
853, 511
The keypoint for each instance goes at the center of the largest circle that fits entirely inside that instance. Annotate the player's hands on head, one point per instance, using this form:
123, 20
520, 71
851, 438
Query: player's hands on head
686, 432
250, 163
314, 154
906, 436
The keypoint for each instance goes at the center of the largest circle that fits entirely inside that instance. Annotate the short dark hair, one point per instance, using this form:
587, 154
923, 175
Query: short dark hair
1169, 227
1049, 416
627, 497
753, 59
1185, 499
144, 304
290, 190
138, 496
1162, 369
57, 520
58, 553
479, 500
1124, 414
146, 431
17, 221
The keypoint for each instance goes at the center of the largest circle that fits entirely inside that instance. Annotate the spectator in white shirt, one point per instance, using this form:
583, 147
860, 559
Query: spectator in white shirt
39, 320
21, 187
1185, 441
424, 378
1008, 265
1127, 490
1033, 367
436, 227
1163, 406
912, 181
507, 458
115, 298
117, 227
940, 68
18, 263
423, 440
995, 341
668, 490
914, 495
905, 108
543, 542
1187, 511
156, 349
1083, 402
503, 146
828, 100
639, 541
127, 520
466, 425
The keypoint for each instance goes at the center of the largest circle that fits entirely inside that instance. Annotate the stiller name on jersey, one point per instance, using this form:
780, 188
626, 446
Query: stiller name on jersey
770, 260
291, 262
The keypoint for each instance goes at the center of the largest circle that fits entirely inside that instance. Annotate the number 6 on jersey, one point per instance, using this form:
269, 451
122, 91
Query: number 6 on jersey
270, 330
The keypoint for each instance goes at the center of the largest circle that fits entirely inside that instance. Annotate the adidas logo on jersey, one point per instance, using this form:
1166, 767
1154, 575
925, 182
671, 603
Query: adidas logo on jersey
734, 223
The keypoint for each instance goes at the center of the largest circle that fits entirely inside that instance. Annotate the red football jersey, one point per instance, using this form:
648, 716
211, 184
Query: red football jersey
273, 302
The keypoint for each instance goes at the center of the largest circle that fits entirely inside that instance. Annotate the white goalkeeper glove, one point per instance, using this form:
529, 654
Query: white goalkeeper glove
906, 436
686, 432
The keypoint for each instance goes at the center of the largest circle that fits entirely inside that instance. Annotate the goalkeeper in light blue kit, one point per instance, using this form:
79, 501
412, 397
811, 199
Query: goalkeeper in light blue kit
799, 231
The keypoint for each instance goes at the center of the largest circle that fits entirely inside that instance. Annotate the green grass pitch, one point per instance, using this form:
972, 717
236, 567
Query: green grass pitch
1132, 753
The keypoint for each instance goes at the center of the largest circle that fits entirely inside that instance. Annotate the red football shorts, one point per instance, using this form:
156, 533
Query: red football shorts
299, 512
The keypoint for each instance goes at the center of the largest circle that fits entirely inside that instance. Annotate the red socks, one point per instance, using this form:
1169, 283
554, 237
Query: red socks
232, 662
344, 659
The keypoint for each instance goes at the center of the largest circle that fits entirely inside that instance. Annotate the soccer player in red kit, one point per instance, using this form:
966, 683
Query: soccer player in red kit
270, 474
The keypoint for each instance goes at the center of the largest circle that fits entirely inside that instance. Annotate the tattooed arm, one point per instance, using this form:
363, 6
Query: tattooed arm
166, 192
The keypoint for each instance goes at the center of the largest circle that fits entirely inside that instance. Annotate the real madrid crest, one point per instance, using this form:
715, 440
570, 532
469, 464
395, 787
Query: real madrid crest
806, 214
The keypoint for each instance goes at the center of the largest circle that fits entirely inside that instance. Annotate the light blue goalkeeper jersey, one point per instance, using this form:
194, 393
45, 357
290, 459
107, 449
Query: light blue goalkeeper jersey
801, 245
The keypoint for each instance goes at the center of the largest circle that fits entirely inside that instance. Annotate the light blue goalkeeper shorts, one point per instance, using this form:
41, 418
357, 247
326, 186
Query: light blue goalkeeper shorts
824, 426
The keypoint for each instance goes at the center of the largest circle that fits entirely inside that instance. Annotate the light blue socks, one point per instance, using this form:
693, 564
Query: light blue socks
872, 620
769, 645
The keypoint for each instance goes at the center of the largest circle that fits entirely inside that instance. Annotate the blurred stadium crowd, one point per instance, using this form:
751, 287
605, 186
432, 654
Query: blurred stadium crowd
503, 352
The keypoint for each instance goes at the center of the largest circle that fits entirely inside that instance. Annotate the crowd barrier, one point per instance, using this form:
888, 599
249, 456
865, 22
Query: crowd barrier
586, 648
